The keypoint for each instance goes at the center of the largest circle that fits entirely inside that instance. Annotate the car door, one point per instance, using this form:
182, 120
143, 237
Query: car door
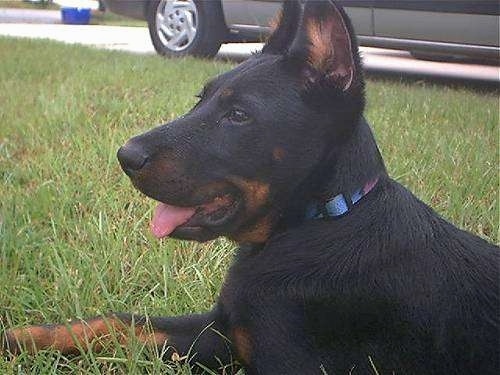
461, 22
257, 15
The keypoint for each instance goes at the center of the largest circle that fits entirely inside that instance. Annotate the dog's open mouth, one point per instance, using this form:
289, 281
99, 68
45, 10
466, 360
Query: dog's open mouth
168, 218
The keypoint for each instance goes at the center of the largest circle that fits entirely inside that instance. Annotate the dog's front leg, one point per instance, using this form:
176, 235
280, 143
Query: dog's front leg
276, 343
198, 336
284, 357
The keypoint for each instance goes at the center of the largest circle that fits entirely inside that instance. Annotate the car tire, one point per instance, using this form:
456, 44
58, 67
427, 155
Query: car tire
186, 27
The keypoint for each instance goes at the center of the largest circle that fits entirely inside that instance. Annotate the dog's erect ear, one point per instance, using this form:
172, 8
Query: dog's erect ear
325, 47
287, 23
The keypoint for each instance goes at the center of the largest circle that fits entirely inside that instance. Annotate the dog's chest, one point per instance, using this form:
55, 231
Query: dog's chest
250, 286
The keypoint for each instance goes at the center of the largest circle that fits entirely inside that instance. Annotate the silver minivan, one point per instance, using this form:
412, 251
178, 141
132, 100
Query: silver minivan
426, 28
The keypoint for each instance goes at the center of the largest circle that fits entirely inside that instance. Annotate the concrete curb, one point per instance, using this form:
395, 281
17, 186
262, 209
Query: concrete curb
8, 15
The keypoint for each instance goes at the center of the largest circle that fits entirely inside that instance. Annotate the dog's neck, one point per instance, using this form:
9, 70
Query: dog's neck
351, 165
345, 169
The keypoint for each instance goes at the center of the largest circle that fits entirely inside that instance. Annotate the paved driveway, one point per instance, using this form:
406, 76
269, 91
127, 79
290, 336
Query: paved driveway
8, 15
136, 39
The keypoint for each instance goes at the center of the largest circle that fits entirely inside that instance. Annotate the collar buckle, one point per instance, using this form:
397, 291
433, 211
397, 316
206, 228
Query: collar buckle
338, 205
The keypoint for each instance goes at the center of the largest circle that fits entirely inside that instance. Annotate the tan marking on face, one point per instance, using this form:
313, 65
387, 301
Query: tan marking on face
243, 344
279, 153
257, 233
68, 339
255, 193
255, 196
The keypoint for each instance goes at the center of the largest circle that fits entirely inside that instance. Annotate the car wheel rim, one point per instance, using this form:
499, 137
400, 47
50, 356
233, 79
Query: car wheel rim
176, 23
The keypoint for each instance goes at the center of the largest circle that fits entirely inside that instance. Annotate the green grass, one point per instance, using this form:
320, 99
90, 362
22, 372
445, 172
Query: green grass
20, 4
73, 232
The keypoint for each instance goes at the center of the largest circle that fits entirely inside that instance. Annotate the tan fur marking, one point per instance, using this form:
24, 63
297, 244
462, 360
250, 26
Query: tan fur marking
255, 193
146, 336
242, 342
258, 233
29, 338
68, 339
279, 153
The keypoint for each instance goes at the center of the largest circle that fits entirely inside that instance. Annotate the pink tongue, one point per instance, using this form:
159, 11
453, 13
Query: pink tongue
166, 218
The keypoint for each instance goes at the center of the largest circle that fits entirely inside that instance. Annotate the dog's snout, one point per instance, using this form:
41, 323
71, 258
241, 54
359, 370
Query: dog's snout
132, 158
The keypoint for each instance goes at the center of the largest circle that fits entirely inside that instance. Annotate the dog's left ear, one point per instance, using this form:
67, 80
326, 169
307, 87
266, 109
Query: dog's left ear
325, 47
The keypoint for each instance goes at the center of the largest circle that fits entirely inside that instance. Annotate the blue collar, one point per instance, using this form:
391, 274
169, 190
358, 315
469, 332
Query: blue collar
338, 205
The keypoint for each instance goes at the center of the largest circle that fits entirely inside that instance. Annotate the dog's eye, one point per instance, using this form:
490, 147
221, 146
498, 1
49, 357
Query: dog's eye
237, 116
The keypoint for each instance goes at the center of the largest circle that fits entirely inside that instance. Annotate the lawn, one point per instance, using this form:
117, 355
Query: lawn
20, 4
74, 239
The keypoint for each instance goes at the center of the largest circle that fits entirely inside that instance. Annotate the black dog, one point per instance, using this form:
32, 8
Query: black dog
339, 266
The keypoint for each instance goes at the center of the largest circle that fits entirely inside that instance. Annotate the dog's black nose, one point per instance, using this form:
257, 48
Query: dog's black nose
132, 158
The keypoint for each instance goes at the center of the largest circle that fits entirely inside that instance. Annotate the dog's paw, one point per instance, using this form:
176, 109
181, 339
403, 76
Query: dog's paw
8, 344
15, 340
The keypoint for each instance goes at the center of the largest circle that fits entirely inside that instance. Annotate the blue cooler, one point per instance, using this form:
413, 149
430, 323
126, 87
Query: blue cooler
75, 16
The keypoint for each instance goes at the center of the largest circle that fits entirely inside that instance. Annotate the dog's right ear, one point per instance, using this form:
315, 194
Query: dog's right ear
287, 25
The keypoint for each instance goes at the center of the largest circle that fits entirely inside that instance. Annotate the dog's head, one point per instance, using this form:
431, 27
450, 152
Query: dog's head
231, 164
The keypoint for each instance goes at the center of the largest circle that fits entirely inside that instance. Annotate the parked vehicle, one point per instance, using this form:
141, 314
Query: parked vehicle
427, 28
